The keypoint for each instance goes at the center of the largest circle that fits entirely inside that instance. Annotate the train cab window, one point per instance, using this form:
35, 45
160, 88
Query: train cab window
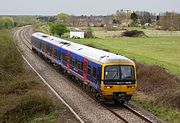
55, 53
94, 72
89, 69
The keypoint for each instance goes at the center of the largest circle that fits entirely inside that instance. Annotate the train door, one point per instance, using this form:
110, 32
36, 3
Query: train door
85, 72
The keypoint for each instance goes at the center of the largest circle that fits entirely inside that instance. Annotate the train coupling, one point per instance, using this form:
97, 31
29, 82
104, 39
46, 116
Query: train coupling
121, 97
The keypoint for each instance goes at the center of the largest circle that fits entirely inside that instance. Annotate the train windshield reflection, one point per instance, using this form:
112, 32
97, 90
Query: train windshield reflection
119, 73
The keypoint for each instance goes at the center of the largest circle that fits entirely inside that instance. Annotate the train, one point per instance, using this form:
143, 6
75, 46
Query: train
108, 76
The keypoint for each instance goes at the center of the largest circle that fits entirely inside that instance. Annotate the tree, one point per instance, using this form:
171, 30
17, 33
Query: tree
58, 28
134, 16
88, 33
6, 23
170, 21
119, 16
63, 18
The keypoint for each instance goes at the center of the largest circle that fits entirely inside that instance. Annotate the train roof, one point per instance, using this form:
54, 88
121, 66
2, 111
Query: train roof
96, 55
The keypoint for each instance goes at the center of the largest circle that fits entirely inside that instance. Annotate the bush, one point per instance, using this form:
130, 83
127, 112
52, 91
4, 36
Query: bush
15, 87
29, 107
134, 33
89, 33
158, 83
10, 60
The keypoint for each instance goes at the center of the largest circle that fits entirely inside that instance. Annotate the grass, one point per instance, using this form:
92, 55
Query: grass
163, 51
165, 113
10, 59
50, 118
29, 106
22, 97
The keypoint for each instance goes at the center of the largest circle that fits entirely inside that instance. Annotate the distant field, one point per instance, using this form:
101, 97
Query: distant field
101, 32
148, 32
164, 51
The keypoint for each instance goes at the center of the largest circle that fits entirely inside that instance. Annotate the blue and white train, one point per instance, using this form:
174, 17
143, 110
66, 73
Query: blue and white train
107, 75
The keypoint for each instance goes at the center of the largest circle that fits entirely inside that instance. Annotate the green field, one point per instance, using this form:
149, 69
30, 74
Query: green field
163, 51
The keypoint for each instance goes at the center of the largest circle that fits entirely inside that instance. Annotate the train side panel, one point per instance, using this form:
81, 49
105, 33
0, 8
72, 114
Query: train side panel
75, 62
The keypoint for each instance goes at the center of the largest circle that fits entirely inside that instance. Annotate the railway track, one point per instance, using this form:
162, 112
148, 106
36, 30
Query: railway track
118, 111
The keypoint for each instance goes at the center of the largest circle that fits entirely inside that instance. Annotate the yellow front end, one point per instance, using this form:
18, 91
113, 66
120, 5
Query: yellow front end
108, 90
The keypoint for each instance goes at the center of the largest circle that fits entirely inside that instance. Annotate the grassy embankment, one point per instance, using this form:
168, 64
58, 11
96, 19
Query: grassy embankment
22, 97
158, 90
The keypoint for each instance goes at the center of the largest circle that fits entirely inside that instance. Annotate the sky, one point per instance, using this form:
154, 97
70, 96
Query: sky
84, 7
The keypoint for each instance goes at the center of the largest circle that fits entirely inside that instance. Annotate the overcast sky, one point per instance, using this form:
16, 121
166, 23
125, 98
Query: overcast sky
84, 7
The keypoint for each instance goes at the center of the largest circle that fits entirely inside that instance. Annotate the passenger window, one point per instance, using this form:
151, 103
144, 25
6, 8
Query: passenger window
78, 64
82, 65
55, 53
89, 69
94, 72
72, 61
99, 75
64, 57
49, 50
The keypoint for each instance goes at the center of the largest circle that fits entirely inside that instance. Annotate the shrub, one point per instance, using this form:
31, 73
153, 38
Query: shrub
15, 87
88, 33
157, 82
10, 60
29, 107
134, 33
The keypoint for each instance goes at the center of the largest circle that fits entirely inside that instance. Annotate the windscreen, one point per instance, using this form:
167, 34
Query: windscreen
119, 73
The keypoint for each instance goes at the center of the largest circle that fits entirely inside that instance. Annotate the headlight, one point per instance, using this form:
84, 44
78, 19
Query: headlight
108, 87
133, 86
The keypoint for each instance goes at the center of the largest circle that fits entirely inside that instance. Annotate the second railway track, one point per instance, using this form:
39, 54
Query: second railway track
126, 113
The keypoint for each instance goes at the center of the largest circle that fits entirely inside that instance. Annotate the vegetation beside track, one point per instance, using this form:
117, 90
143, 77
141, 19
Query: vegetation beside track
164, 112
22, 97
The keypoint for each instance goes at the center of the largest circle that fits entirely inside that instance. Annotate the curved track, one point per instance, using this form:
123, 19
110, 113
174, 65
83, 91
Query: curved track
126, 113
